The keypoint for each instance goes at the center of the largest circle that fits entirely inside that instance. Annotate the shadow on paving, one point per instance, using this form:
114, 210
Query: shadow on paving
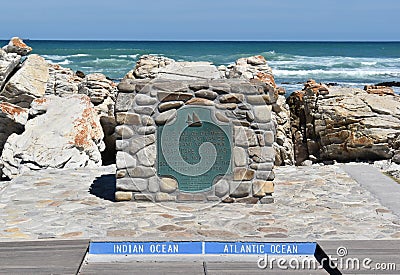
104, 187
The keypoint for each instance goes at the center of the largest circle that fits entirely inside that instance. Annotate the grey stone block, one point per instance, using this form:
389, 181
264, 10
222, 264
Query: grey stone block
221, 188
154, 184
140, 142
124, 102
123, 131
240, 189
141, 172
132, 184
125, 160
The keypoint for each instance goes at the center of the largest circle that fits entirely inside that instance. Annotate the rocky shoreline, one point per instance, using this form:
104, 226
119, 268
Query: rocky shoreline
52, 117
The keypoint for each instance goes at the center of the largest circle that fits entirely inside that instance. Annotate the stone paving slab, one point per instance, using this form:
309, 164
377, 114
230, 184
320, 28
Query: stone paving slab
317, 202
381, 186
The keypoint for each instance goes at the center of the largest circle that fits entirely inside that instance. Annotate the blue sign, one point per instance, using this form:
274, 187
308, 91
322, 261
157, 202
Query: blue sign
205, 248
259, 248
145, 248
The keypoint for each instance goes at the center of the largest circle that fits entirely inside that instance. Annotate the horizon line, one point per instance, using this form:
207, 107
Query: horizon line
177, 40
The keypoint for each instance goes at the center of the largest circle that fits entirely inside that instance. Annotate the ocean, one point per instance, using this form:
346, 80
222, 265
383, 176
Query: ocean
346, 63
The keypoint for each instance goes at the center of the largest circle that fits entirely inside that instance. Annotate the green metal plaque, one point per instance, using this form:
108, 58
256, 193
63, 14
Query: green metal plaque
194, 149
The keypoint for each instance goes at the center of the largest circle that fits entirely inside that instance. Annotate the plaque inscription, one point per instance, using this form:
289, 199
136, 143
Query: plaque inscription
194, 149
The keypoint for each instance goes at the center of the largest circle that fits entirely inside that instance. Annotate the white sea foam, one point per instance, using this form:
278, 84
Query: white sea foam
352, 73
55, 57
65, 62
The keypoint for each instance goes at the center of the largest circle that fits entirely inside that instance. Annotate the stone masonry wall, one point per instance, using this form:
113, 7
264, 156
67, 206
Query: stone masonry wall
143, 105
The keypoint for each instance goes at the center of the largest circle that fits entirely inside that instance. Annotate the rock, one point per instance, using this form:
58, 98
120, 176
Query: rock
8, 63
244, 137
240, 174
240, 189
260, 188
262, 113
199, 85
221, 188
123, 196
67, 137
240, 157
132, 184
148, 65
154, 185
168, 185
16, 45
27, 83
389, 84
165, 117
128, 118
15, 113
347, 124
144, 100
147, 156
124, 102
170, 105
146, 130
200, 101
188, 71
140, 142
125, 160
102, 92
206, 94
378, 90
12, 120
141, 172
123, 131
80, 74
256, 60
164, 96
261, 154
232, 98
62, 81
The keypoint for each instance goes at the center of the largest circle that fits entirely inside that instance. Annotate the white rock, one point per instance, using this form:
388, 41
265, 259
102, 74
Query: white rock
67, 137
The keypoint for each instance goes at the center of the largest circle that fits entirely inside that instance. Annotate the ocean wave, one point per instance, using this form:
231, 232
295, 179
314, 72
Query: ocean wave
55, 57
107, 61
341, 73
65, 62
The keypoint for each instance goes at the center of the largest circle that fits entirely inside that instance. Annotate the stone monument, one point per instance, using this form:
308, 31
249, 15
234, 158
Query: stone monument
194, 140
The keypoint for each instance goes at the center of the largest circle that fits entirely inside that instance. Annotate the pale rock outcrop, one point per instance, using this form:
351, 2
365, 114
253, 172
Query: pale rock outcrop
343, 124
379, 90
16, 45
64, 132
150, 66
62, 81
188, 71
8, 63
28, 83
254, 67
147, 66
102, 93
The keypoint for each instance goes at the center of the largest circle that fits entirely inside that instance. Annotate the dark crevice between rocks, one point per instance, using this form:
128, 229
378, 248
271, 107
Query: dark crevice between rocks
108, 124
13, 72
104, 187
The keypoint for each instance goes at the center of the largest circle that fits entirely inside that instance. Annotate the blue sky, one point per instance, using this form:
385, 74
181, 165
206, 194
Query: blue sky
202, 19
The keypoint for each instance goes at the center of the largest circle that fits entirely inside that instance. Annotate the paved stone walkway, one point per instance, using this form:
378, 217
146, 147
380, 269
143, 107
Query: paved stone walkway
318, 202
